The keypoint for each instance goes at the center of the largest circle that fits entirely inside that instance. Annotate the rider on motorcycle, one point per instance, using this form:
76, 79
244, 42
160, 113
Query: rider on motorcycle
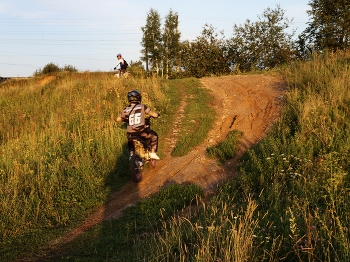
121, 66
134, 115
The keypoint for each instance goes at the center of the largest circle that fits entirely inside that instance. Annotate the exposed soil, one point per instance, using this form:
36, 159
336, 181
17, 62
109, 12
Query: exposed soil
249, 103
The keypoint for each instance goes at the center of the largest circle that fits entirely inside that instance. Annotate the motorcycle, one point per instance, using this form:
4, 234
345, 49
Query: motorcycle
141, 155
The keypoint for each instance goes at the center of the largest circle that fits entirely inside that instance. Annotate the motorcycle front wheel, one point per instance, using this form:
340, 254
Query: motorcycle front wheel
135, 168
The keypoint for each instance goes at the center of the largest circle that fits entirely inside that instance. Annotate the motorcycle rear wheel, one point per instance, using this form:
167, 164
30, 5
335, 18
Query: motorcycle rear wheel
152, 163
135, 168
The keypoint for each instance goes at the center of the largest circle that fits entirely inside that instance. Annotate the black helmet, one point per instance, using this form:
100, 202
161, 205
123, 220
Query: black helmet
134, 96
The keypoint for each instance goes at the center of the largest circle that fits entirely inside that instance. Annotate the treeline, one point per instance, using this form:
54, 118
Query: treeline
260, 45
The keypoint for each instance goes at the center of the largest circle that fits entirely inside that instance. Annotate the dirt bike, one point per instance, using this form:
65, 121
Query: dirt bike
122, 73
141, 155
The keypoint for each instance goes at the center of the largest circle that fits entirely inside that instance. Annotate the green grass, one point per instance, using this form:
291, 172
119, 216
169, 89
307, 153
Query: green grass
226, 149
290, 202
120, 239
62, 152
198, 119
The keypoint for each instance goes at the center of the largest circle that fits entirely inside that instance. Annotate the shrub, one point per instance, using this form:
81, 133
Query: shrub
50, 68
69, 68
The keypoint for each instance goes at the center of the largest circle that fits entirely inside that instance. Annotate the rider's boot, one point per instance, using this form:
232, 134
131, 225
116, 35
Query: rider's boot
153, 155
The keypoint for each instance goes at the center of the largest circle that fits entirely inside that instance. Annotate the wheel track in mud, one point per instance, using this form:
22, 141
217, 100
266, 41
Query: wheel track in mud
247, 103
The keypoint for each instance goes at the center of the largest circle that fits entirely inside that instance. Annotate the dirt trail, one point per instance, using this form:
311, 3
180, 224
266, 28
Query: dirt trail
247, 103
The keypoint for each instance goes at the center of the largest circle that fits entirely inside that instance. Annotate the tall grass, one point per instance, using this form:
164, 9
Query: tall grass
301, 169
290, 202
226, 149
216, 233
120, 239
61, 151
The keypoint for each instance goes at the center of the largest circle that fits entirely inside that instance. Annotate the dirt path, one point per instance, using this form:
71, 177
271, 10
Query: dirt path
246, 103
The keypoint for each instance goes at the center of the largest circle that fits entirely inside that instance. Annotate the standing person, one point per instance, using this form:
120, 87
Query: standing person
121, 66
134, 115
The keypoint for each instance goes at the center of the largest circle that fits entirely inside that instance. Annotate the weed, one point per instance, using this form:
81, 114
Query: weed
226, 149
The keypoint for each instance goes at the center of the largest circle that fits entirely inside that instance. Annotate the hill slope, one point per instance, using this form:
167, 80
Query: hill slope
247, 103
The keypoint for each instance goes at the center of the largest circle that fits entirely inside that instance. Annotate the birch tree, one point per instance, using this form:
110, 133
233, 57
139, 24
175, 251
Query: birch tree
152, 41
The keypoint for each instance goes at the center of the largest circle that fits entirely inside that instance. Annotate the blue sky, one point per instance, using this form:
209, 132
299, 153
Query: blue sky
88, 34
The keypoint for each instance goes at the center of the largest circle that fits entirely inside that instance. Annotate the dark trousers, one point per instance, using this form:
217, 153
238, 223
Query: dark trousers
148, 134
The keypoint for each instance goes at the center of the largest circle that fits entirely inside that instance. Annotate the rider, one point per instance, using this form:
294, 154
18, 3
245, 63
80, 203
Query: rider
134, 116
120, 64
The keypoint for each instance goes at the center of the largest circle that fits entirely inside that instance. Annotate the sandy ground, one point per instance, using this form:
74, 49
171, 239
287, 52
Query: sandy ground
249, 103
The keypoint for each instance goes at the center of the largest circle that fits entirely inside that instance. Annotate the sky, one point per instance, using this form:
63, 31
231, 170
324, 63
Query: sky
88, 34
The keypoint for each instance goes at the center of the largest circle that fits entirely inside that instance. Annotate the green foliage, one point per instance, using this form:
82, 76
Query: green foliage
52, 68
226, 149
161, 47
205, 56
136, 69
329, 27
171, 43
69, 68
300, 172
152, 41
263, 44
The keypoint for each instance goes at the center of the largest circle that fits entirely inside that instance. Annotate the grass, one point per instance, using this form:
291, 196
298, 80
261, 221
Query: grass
199, 116
115, 240
212, 234
62, 152
226, 149
290, 202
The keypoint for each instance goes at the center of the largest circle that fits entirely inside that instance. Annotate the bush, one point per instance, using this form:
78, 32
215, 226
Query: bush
69, 68
52, 68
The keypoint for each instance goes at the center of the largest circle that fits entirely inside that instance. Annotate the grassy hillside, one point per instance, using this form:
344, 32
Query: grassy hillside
291, 202
62, 153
